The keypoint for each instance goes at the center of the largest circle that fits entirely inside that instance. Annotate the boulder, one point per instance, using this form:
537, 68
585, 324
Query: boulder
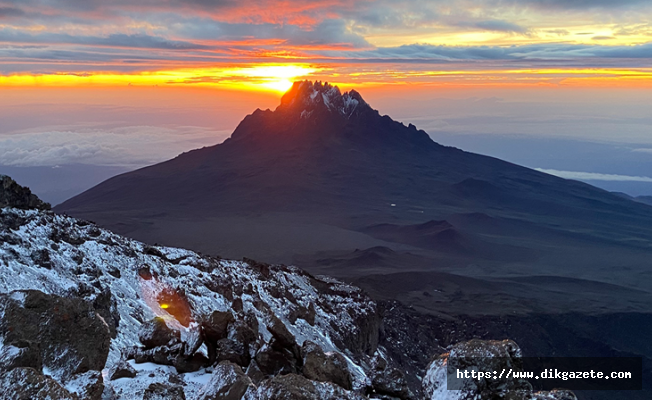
121, 369
14, 195
283, 337
213, 328
274, 361
72, 338
325, 367
242, 332
390, 382
105, 305
228, 382
233, 351
162, 391
172, 355
159, 355
216, 325
156, 333
192, 340
483, 355
29, 384
193, 363
87, 386
297, 387
21, 353
254, 373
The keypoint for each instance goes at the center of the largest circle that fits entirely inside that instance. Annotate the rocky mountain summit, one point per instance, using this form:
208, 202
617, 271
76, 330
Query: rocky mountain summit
14, 195
88, 314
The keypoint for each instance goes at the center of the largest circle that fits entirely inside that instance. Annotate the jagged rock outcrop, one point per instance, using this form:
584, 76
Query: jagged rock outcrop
323, 367
14, 195
390, 383
172, 308
483, 356
297, 387
156, 333
30, 384
64, 335
160, 391
228, 382
122, 369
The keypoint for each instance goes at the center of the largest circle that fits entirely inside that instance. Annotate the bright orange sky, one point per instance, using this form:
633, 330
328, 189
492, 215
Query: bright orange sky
264, 45
561, 85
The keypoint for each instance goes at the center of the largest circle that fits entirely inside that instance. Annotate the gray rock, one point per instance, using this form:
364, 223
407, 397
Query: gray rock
214, 328
87, 386
484, 355
254, 372
322, 367
170, 355
28, 384
283, 336
241, 332
273, 361
228, 382
297, 387
122, 369
216, 325
156, 333
391, 382
184, 363
233, 351
14, 195
161, 391
56, 323
21, 353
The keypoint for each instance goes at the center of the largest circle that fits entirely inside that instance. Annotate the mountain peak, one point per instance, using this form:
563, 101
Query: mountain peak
316, 112
306, 97
14, 195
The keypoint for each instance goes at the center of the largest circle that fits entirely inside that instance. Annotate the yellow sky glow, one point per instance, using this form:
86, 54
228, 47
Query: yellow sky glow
279, 78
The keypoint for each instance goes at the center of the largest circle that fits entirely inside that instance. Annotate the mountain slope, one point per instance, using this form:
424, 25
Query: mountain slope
88, 314
269, 309
322, 151
325, 172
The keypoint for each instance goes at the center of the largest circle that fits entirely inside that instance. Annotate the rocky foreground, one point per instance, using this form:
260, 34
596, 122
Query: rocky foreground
88, 314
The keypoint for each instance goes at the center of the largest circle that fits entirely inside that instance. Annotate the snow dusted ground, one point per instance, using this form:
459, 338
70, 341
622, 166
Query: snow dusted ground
70, 258
60, 255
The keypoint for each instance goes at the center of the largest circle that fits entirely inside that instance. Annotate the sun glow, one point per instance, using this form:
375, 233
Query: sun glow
265, 77
278, 78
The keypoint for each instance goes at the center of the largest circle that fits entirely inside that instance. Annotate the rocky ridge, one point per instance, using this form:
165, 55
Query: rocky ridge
88, 314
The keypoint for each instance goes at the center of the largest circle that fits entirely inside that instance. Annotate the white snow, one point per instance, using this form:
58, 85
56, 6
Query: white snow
85, 266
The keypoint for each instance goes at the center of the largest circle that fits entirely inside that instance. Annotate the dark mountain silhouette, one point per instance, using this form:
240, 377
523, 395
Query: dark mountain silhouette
329, 184
325, 174
323, 153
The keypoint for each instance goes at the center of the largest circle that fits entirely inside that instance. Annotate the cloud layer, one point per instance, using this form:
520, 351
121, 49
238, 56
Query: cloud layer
62, 36
128, 146
591, 176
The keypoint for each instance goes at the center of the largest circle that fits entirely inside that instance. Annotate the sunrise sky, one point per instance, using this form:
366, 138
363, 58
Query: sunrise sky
128, 83
266, 44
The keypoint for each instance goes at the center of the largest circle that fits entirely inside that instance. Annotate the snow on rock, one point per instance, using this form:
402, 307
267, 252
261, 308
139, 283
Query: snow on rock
309, 96
228, 381
292, 386
481, 355
88, 314
14, 195
128, 284
29, 384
